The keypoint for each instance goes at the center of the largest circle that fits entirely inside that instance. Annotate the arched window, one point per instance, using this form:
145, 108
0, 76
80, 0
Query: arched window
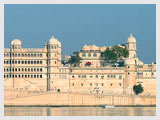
89, 54
83, 55
94, 55
28, 69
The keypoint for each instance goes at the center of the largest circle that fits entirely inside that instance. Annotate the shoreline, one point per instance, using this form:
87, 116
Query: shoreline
78, 105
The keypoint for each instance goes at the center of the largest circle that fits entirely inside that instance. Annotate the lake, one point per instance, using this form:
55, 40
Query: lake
79, 111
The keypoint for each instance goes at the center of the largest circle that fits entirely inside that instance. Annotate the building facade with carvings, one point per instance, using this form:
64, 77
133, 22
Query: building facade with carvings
41, 69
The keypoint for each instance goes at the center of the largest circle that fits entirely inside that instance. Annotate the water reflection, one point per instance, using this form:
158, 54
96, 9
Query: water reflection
79, 111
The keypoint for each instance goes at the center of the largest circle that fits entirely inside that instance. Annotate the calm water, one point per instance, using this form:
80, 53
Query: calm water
79, 111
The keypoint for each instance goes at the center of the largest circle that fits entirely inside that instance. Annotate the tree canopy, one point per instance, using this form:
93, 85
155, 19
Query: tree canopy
75, 59
138, 89
115, 53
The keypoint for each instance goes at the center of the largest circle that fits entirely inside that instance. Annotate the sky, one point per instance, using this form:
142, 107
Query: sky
78, 25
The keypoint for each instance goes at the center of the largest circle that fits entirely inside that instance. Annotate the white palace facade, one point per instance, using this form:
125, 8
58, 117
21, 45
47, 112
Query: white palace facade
41, 69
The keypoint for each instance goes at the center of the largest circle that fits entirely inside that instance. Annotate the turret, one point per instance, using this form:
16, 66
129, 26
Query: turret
131, 46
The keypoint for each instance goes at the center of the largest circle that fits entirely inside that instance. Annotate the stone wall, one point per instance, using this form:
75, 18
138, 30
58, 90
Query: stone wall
75, 99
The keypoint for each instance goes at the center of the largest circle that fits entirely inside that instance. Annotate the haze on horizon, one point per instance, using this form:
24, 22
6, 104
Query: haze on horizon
77, 25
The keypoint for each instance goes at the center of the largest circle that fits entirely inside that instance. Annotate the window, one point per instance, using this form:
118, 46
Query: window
90, 84
102, 84
31, 62
81, 84
120, 77
19, 62
55, 62
25, 55
37, 69
72, 84
89, 54
31, 55
96, 84
72, 76
40, 62
90, 76
25, 76
22, 62
28, 76
102, 77
25, 69
34, 62
41, 69
31, 69
25, 62
120, 84
37, 62
34, 69
128, 66
40, 76
128, 73
28, 69
34, 76
83, 55
152, 73
37, 76
28, 62
34, 55
111, 84
41, 55
28, 55
31, 76
94, 55
96, 76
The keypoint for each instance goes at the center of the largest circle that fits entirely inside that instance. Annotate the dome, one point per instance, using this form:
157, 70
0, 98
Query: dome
59, 44
53, 40
16, 42
131, 38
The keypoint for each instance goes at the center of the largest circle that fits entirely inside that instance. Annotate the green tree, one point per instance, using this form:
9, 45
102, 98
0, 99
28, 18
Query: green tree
115, 53
75, 59
138, 89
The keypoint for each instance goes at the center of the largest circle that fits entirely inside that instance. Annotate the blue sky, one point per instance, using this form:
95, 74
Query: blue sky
77, 25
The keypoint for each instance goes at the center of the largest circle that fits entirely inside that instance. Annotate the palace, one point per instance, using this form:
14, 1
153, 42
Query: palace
41, 69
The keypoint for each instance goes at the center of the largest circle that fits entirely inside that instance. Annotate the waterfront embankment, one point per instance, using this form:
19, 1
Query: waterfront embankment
30, 98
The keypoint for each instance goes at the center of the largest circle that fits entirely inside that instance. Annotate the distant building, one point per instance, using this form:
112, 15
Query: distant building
41, 69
